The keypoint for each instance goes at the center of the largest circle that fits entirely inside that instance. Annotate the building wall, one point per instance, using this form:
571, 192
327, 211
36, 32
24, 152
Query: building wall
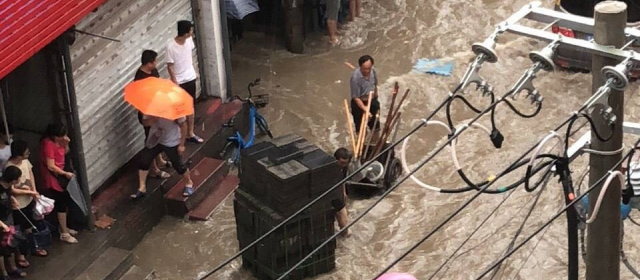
101, 68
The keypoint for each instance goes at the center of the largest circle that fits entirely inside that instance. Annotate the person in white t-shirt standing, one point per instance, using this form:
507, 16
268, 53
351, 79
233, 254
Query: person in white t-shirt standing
181, 70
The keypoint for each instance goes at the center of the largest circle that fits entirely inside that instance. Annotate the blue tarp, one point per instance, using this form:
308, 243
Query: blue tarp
239, 9
433, 66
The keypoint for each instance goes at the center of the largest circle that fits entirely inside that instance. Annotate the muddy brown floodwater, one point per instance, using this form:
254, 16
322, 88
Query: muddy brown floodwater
306, 98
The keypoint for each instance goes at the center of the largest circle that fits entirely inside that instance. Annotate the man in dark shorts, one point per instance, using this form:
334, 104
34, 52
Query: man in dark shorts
148, 69
343, 156
363, 81
181, 70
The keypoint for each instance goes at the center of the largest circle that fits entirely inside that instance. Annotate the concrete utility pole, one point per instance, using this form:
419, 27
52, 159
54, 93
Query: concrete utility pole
603, 240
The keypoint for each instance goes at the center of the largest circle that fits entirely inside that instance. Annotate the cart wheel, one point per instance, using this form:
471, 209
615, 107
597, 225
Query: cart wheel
394, 170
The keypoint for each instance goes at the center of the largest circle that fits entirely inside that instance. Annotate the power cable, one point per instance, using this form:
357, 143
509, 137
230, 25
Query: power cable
495, 209
555, 216
546, 178
531, 252
586, 105
623, 256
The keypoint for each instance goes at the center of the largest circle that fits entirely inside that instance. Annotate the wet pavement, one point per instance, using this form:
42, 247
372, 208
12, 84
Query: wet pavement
306, 95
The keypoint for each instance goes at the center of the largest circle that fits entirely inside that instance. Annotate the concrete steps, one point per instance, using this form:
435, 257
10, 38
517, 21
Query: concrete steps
206, 175
138, 273
110, 265
203, 211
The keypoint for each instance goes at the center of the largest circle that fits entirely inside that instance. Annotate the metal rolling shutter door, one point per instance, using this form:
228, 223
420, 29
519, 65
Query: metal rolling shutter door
101, 68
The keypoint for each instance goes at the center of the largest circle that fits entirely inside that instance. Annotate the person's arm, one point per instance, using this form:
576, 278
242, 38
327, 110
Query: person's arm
32, 184
4, 226
375, 83
360, 104
16, 191
49, 151
14, 202
148, 120
171, 73
170, 61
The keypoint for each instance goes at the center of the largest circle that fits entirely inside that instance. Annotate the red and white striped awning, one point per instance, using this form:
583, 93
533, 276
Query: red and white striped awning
26, 26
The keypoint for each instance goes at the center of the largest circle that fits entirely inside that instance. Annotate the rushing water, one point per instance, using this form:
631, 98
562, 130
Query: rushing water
307, 92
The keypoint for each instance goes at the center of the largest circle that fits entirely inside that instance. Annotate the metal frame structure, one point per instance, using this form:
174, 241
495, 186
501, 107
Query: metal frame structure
534, 12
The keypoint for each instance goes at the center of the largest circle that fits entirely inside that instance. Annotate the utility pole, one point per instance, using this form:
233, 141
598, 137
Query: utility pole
603, 240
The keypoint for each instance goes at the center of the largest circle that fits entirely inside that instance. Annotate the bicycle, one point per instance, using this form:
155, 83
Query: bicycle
237, 142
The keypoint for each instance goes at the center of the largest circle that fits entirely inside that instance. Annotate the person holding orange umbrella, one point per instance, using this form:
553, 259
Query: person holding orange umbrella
165, 106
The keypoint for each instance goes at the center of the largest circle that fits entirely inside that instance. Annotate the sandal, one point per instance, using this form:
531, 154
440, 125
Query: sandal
188, 191
138, 195
65, 237
41, 253
195, 139
23, 263
160, 175
18, 273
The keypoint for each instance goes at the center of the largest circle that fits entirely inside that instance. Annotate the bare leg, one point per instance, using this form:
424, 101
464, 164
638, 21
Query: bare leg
62, 220
12, 263
160, 162
142, 180
332, 27
3, 268
190, 125
187, 177
343, 219
352, 10
188, 188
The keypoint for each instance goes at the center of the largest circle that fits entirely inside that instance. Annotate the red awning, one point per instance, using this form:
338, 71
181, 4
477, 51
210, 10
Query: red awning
26, 26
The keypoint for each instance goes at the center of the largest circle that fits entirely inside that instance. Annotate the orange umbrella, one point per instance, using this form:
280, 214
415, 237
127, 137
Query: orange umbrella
159, 97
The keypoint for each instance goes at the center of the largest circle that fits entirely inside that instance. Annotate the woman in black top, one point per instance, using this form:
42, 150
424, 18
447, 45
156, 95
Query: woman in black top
10, 177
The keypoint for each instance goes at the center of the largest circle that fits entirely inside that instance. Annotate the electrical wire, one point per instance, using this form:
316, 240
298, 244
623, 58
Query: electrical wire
555, 216
546, 178
623, 256
405, 166
531, 252
475, 196
544, 181
603, 192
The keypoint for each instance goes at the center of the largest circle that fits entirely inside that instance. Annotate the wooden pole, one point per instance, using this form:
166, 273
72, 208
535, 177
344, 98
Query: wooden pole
387, 122
350, 125
385, 133
366, 150
363, 124
603, 239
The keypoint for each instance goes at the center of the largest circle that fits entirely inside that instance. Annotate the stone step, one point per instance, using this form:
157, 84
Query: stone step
221, 191
110, 265
138, 273
206, 174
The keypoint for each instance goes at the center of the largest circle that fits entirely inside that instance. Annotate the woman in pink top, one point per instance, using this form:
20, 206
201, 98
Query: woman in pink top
55, 146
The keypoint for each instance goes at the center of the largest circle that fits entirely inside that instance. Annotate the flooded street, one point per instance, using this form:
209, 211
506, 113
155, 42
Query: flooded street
306, 95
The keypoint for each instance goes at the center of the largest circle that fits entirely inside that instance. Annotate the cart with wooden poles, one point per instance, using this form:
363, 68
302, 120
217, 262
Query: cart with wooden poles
368, 143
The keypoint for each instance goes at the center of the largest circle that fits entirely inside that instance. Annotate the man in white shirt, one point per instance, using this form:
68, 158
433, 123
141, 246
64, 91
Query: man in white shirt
181, 70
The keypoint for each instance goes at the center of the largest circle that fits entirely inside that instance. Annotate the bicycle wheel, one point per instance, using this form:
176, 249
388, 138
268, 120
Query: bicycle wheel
230, 154
263, 126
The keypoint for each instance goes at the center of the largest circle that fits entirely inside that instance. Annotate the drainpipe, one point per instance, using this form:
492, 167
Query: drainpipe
73, 118
226, 46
